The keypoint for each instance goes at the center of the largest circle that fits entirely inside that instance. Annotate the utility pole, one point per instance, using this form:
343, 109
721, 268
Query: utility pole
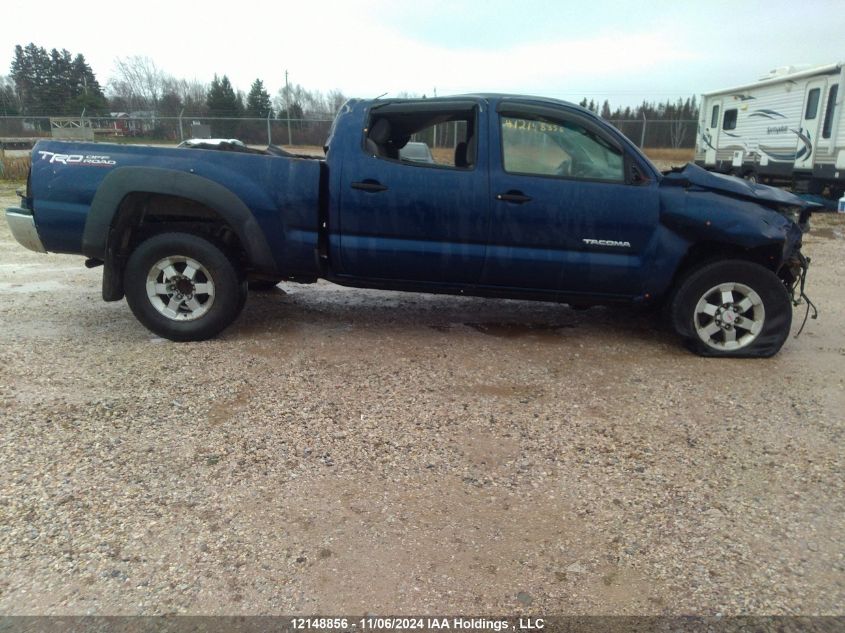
287, 106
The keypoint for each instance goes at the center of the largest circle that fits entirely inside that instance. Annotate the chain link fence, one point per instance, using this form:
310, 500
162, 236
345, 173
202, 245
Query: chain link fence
166, 130
311, 131
666, 142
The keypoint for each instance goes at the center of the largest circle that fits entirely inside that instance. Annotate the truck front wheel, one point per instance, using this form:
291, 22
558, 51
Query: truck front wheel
183, 287
732, 308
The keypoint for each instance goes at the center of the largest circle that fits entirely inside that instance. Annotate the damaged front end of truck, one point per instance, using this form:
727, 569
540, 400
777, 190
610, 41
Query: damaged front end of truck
757, 217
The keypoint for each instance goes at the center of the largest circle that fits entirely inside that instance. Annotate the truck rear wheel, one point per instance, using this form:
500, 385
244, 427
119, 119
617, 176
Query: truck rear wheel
183, 287
732, 308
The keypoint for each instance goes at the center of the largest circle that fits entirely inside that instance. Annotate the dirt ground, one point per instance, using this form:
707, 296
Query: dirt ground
349, 451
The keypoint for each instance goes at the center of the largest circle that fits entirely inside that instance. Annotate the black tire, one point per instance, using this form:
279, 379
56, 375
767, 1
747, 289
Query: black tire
760, 302
751, 176
263, 285
215, 310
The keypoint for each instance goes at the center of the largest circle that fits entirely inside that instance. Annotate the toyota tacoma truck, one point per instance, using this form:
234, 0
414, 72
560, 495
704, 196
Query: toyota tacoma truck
534, 199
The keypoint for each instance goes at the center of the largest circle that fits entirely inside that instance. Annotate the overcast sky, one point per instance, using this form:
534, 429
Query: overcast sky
622, 51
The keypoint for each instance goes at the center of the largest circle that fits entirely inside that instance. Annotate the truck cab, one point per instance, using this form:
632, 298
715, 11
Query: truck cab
527, 197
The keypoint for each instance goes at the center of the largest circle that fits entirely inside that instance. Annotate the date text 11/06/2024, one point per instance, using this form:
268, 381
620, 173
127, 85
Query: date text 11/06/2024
431, 623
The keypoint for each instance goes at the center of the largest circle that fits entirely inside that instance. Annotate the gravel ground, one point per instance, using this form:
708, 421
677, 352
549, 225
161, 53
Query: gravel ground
343, 451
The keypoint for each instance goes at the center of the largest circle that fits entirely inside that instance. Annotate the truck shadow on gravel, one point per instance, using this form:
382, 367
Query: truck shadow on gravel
333, 309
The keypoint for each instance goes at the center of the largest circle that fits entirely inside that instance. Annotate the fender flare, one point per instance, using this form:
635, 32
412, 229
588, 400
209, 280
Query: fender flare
122, 181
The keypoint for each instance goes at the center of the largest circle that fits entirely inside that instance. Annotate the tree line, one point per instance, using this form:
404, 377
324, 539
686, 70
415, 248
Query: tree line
59, 83
655, 124
57, 80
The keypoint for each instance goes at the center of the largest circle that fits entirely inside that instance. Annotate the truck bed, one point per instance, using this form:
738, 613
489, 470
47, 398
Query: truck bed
283, 193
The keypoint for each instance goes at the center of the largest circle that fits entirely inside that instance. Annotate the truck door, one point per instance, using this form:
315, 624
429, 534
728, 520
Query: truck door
566, 217
808, 133
710, 135
416, 217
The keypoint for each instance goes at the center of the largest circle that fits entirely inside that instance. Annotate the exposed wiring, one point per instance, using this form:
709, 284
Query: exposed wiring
805, 265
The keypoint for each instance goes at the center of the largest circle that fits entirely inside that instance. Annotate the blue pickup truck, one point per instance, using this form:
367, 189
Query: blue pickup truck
535, 199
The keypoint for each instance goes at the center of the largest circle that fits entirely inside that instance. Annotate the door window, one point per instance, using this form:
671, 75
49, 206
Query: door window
714, 116
415, 136
565, 149
828, 113
812, 104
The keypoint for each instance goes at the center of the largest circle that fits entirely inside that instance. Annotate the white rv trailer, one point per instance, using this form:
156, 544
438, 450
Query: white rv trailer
786, 127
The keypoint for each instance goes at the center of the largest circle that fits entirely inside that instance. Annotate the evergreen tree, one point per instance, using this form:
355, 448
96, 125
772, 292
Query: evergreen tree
30, 72
86, 89
9, 103
58, 89
223, 102
170, 104
258, 101
55, 82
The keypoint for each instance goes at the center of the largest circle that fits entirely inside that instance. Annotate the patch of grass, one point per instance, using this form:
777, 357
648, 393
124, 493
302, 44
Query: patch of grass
14, 168
8, 189
675, 155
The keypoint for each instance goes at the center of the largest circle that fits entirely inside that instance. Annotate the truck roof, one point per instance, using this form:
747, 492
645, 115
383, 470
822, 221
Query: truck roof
486, 96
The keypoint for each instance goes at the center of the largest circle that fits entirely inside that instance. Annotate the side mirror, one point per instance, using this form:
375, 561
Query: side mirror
636, 176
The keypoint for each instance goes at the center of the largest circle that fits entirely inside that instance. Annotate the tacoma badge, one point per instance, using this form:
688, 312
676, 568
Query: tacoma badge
606, 243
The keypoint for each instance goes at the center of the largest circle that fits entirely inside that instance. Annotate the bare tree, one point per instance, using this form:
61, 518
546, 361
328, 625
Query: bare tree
677, 131
308, 103
139, 82
194, 95
334, 100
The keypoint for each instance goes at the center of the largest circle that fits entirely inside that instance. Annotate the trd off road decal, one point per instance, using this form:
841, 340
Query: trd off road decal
78, 159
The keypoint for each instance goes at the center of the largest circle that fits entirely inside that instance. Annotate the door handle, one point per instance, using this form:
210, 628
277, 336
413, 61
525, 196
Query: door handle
513, 196
371, 186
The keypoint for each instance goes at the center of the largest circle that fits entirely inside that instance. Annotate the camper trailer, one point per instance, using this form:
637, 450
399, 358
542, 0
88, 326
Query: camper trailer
786, 128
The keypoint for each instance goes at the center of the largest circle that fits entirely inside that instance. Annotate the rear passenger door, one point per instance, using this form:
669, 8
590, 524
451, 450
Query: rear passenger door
405, 219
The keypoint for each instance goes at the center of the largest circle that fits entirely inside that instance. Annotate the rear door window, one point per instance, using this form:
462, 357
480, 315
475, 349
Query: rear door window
439, 137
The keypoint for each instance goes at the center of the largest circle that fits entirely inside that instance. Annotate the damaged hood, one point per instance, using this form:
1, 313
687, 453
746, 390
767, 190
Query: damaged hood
694, 176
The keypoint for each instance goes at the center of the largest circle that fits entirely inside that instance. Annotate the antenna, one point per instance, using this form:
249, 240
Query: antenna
380, 96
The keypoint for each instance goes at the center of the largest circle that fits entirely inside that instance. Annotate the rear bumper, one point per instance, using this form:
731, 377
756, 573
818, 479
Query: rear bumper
22, 224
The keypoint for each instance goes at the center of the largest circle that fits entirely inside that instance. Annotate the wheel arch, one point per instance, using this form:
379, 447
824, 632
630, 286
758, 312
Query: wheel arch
120, 198
703, 253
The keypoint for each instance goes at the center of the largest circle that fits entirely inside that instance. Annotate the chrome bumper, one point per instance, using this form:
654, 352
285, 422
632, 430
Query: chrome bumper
22, 224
